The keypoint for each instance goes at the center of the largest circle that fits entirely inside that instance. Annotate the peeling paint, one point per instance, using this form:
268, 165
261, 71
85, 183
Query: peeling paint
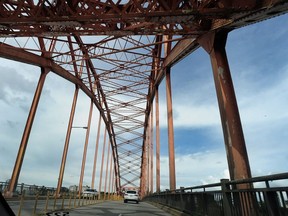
221, 72
228, 133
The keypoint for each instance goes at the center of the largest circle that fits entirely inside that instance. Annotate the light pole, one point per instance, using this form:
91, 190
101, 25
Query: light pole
80, 127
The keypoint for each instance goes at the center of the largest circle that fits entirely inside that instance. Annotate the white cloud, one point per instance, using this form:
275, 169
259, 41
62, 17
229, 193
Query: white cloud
195, 169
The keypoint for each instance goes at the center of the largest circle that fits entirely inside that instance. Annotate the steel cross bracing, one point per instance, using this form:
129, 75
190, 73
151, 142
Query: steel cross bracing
113, 51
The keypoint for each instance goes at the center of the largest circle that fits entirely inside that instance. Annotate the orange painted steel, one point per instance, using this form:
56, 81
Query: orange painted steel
26, 134
67, 140
106, 174
237, 156
85, 150
151, 152
157, 142
124, 62
171, 153
110, 176
102, 164
96, 153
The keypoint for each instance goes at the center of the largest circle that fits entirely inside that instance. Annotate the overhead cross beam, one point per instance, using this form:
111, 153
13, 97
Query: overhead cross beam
62, 18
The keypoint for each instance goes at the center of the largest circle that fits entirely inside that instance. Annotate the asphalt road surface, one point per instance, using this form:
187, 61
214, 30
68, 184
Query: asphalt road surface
107, 208
119, 208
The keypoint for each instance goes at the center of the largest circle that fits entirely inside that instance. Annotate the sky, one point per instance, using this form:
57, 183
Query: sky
257, 56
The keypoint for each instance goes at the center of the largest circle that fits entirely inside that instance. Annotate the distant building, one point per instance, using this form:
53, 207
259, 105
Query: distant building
73, 188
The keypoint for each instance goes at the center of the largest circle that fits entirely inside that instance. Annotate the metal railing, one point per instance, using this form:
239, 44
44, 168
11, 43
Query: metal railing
29, 189
40, 200
267, 195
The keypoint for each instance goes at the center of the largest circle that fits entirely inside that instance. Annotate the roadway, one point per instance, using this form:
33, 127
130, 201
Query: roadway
119, 208
107, 208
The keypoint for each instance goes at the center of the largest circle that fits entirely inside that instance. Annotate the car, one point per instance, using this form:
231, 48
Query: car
89, 193
131, 195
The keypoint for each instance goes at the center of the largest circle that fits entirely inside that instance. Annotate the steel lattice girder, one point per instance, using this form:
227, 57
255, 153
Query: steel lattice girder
106, 17
119, 72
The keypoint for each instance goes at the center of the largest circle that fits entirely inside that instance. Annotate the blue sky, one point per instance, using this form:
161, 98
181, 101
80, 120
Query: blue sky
257, 56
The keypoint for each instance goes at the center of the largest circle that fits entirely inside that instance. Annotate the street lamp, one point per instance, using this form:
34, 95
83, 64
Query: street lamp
80, 127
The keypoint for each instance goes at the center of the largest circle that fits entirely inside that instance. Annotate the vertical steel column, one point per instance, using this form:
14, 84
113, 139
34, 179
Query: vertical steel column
157, 67
96, 152
113, 182
172, 176
106, 174
148, 158
151, 150
67, 140
157, 141
26, 134
110, 175
143, 179
238, 162
85, 149
101, 171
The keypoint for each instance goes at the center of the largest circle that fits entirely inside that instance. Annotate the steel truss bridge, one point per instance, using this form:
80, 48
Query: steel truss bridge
118, 52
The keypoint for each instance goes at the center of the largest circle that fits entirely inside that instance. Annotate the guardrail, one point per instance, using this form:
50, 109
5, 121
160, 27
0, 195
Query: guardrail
29, 189
40, 200
267, 195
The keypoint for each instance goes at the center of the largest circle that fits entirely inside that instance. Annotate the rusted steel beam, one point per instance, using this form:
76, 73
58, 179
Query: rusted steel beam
96, 153
148, 138
172, 173
151, 151
238, 162
102, 164
85, 150
110, 176
26, 134
67, 140
106, 174
157, 141
143, 177
109, 18
113, 182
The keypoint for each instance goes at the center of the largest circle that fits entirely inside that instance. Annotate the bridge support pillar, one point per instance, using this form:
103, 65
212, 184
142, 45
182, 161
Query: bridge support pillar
85, 149
239, 168
26, 134
96, 153
143, 178
102, 162
67, 141
172, 175
172, 172
157, 142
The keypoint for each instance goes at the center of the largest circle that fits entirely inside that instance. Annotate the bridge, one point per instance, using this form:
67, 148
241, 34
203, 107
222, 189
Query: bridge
119, 55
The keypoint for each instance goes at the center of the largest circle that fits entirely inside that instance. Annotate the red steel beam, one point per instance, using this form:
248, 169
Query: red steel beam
96, 153
67, 140
85, 150
26, 134
102, 163
238, 162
